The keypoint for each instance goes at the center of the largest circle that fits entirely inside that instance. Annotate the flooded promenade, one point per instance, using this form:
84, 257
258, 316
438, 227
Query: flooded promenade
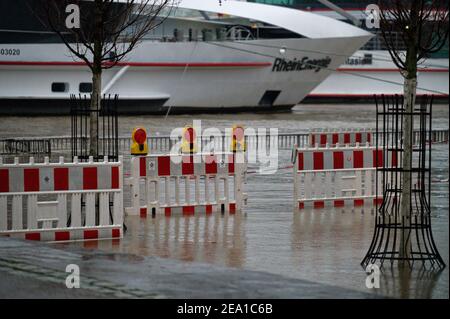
324, 246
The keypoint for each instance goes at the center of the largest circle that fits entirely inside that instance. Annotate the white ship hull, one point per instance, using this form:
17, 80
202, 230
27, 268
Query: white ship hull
361, 82
197, 76
211, 77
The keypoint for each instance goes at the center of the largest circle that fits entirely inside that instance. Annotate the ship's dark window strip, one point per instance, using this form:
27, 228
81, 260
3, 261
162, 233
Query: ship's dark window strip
60, 87
314, 4
85, 87
276, 33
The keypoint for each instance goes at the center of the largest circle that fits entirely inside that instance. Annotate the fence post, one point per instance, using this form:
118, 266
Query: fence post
135, 189
118, 197
295, 166
238, 179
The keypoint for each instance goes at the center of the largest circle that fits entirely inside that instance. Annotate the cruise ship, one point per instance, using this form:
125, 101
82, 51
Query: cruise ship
370, 70
207, 56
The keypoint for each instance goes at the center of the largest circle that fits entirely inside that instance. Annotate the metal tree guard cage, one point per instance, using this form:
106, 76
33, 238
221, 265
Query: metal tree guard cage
107, 127
390, 223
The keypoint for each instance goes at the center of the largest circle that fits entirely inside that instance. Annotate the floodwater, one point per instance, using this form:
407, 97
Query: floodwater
322, 245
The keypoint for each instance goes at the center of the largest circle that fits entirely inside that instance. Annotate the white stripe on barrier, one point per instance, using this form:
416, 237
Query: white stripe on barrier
186, 184
94, 191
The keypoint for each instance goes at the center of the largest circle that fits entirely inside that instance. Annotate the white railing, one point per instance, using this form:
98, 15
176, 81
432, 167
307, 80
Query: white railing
165, 143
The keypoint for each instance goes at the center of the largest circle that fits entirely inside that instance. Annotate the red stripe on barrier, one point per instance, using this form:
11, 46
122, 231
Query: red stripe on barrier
358, 159
31, 180
301, 165
143, 212
394, 159
90, 178
61, 179
313, 140
339, 203
231, 164
335, 138
358, 138
142, 167
323, 139
378, 158
164, 166
210, 164
301, 205
90, 234
33, 236
188, 210
318, 160
115, 177
232, 208
4, 181
115, 233
208, 209
167, 211
338, 160
187, 165
358, 202
369, 138
378, 201
319, 204
347, 138
62, 235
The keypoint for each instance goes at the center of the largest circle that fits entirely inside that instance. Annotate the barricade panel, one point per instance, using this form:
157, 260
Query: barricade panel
186, 184
61, 201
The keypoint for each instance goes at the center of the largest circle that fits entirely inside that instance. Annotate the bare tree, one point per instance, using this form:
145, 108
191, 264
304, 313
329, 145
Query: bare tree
107, 31
423, 29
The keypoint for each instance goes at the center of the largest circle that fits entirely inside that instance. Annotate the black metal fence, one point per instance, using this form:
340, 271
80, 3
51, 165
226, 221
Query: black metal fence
106, 143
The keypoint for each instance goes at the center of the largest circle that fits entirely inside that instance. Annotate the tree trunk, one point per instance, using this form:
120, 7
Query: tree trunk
410, 87
96, 78
95, 107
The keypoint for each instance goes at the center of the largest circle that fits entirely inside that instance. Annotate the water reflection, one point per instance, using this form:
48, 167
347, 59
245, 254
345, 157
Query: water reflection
212, 239
409, 283
327, 243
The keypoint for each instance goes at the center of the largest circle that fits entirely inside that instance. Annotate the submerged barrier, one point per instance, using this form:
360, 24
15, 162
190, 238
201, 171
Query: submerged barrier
186, 184
341, 137
61, 201
338, 176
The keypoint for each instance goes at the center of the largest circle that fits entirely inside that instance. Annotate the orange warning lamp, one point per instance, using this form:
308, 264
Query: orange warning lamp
139, 145
189, 144
238, 139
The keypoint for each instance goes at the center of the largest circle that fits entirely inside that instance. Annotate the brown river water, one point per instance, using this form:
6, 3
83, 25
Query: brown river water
325, 245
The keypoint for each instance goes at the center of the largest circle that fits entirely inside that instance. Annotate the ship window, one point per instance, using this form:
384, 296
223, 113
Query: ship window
60, 87
85, 87
269, 98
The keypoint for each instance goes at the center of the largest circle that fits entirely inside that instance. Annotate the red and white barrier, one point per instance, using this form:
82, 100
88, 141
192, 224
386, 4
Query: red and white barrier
61, 201
343, 137
337, 177
186, 184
